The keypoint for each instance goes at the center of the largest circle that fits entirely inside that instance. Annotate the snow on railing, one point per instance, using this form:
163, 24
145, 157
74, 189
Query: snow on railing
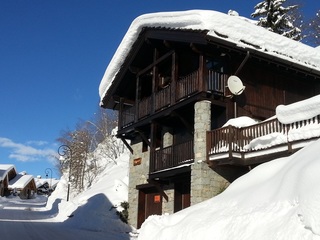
261, 136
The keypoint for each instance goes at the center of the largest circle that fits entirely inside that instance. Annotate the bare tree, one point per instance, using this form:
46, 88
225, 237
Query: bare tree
78, 141
89, 142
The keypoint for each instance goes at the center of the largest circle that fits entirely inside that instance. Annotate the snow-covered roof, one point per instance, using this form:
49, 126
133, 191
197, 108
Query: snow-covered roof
5, 169
40, 182
233, 29
52, 182
20, 181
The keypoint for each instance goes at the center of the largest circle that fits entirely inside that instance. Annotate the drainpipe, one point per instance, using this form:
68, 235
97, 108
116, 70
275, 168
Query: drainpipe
236, 73
243, 63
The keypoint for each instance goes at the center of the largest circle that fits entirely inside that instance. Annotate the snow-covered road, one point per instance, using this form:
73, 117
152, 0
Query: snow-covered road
30, 220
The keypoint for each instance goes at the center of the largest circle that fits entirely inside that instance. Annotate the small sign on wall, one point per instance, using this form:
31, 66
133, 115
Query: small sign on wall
136, 161
157, 198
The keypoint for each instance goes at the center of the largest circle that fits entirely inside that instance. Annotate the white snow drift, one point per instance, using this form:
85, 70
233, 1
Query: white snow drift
277, 200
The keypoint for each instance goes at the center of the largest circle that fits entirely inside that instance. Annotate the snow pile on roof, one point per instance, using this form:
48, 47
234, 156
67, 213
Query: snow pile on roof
299, 111
20, 181
52, 182
233, 29
276, 200
40, 182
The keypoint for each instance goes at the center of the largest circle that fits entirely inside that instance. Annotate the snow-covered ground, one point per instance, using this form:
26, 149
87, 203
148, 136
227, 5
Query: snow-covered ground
89, 215
277, 200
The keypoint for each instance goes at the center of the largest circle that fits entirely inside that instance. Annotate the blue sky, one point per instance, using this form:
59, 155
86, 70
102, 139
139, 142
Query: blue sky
53, 54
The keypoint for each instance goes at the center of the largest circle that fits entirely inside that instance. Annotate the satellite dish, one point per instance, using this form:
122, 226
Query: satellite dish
235, 85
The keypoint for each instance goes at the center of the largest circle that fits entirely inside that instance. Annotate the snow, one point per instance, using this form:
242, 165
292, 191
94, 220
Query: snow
87, 215
276, 200
20, 181
234, 29
299, 111
239, 122
94, 209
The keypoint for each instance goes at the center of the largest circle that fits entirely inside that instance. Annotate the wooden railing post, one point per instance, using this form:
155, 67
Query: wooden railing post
230, 140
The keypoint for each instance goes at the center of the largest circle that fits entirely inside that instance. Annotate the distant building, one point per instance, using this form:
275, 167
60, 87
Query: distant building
7, 173
23, 185
170, 83
46, 186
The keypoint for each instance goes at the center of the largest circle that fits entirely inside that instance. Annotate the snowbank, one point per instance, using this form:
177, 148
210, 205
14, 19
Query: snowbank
276, 200
95, 208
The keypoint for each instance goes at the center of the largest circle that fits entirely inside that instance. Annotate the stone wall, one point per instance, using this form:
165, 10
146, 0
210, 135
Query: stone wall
205, 183
137, 175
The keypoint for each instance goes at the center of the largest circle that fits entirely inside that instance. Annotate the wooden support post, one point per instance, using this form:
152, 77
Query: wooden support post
174, 70
127, 144
136, 115
120, 123
160, 190
144, 137
201, 81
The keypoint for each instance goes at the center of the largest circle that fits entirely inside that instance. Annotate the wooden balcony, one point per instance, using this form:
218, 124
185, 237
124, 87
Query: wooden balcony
172, 156
260, 140
171, 94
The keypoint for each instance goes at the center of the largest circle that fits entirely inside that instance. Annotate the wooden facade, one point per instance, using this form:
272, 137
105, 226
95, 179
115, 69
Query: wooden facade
7, 173
166, 72
171, 70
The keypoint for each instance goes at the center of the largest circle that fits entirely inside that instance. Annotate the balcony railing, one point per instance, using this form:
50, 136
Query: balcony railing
217, 82
127, 116
163, 98
260, 136
185, 87
144, 107
172, 156
188, 85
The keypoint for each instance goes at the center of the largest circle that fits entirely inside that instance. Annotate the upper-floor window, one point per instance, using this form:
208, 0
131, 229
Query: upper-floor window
217, 65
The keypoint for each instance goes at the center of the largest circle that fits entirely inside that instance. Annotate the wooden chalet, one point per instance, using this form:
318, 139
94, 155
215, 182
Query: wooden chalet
7, 173
24, 185
168, 82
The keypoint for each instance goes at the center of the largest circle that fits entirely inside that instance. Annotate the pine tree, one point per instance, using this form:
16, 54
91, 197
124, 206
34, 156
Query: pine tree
314, 30
277, 18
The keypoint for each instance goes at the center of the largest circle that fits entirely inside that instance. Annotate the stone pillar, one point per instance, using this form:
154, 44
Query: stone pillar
167, 137
205, 183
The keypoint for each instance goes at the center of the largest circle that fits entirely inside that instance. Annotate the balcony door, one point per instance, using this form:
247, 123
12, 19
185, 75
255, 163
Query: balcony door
182, 192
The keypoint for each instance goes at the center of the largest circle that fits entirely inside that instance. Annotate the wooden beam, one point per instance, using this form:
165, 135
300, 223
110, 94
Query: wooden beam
143, 136
174, 77
127, 144
201, 79
159, 188
136, 114
157, 61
